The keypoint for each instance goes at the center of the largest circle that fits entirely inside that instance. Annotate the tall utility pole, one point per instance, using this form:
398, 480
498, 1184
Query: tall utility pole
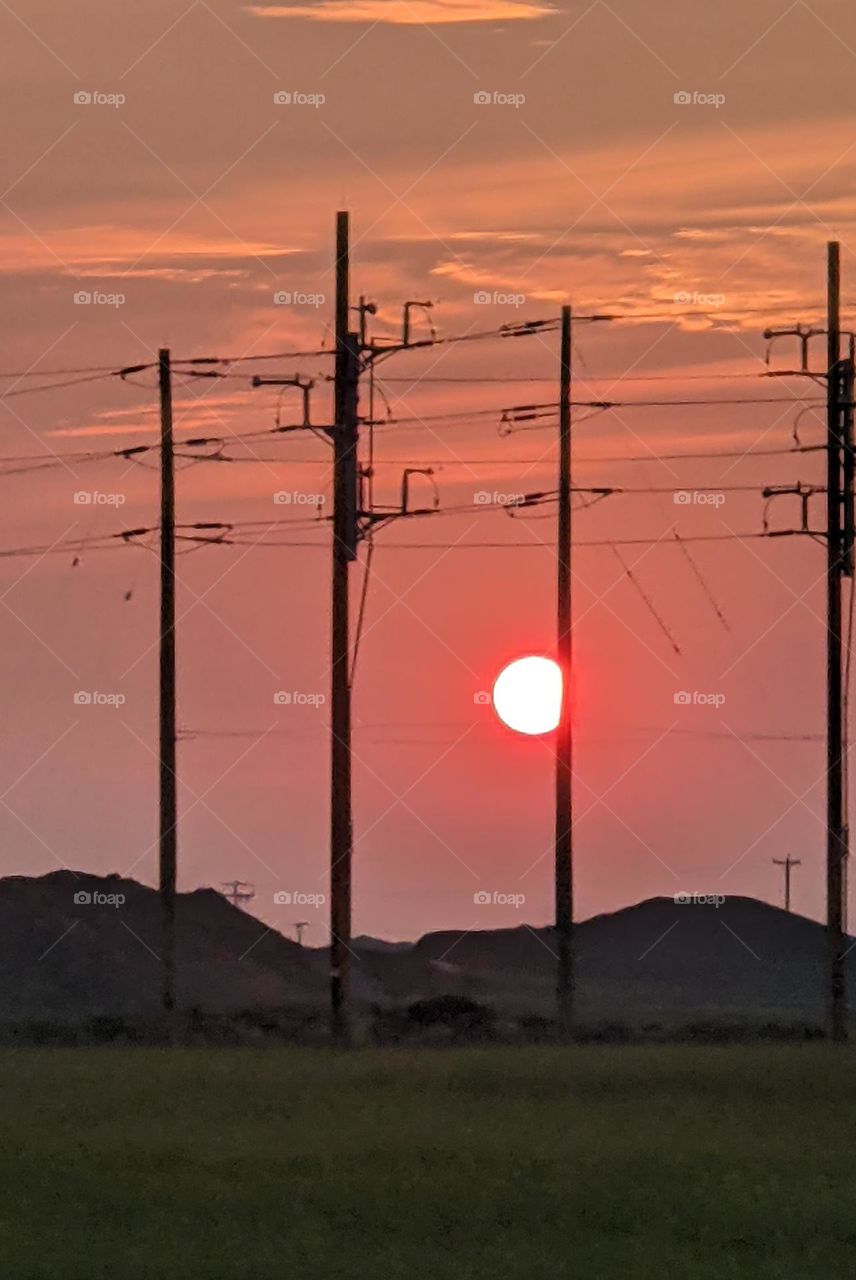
167, 810
564, 736
839, 536
344, 551
787, 863
837, 381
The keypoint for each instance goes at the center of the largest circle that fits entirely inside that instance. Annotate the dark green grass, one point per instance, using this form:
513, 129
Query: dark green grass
639, 1163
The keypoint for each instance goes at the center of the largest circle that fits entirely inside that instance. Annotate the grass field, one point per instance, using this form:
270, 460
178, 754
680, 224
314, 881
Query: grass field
592, 1163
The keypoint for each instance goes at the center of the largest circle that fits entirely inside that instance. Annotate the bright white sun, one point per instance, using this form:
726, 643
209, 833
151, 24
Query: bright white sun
527, 695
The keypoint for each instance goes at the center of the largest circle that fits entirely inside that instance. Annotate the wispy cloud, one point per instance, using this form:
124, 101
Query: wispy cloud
409, 12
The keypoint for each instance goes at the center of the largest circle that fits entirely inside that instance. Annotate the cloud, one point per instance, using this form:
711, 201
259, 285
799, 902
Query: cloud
112, 251
409, 12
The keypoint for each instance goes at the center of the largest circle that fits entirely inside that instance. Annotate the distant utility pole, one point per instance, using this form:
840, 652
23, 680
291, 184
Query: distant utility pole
168, 816
564, 737
787, 863
345, 485
240, 892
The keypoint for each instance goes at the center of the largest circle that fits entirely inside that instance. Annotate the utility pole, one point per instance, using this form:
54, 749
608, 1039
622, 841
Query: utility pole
345, 435
787, 863
240, 892
836, 850
168, 806
838, 533
564, 736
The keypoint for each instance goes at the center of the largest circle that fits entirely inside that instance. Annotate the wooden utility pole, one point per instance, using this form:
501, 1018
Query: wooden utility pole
836, 849
839, 535
787, 863
240, 892
344, 551
564, 736
168, 809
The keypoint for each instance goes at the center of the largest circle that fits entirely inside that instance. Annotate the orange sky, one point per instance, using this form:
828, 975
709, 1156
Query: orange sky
197, 198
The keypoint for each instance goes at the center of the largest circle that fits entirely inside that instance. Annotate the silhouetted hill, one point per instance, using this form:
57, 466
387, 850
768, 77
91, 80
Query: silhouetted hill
364, 942
66, 958
663, 958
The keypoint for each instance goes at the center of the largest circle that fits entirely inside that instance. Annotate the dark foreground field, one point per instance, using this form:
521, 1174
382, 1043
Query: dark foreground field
593, 1163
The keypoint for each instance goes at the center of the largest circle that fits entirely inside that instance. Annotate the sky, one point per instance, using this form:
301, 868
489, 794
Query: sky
172, 179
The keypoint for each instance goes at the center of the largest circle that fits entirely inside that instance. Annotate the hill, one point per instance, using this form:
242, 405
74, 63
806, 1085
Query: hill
75, 946
658, 959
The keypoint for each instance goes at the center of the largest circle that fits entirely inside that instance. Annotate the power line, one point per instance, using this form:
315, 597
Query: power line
702, 581
59, 386
511, 414
512, 379
61, 373
533, 544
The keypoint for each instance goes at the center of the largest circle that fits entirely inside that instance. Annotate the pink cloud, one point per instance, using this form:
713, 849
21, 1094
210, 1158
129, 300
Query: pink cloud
409, 12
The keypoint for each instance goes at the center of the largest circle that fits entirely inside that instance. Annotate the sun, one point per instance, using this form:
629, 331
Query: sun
527, 695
